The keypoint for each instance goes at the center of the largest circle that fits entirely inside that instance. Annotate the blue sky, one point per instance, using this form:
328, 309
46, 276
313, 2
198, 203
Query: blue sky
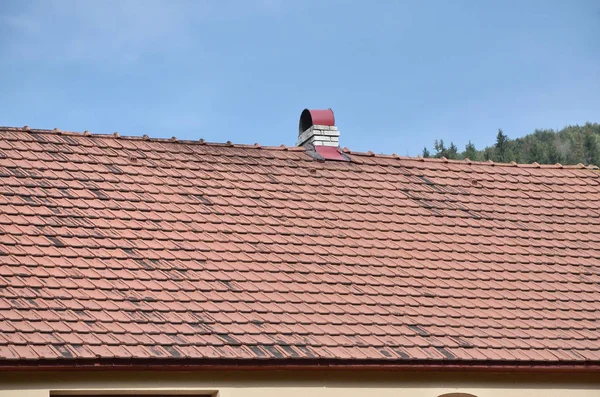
398, 74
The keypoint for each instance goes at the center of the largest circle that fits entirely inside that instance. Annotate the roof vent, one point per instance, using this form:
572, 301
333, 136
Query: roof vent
317, 127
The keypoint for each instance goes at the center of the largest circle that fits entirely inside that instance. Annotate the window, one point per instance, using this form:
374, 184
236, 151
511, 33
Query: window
457, 395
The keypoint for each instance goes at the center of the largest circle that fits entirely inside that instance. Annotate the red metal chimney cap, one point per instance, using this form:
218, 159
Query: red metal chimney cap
308, 118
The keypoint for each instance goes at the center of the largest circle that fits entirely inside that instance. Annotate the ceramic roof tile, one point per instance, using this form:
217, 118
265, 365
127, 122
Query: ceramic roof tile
129, 248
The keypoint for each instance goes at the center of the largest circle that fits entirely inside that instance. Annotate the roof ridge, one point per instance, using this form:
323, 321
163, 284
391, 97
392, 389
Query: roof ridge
468, 161
201, 141
147, 138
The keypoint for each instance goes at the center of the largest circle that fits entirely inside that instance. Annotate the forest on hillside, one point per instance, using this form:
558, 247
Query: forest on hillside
571, 145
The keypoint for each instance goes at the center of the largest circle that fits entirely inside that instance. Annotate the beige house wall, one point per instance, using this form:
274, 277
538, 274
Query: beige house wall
297, 384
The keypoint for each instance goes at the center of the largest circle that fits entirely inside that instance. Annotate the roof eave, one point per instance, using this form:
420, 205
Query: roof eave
302, 365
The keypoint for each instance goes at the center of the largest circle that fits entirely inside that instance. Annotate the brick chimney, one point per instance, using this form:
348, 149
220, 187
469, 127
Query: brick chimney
317, 127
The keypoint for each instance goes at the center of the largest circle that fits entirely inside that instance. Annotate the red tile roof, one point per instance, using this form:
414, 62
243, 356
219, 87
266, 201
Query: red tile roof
134, 248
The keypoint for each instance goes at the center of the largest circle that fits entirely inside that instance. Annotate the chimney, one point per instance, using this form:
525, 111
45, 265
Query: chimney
317, 128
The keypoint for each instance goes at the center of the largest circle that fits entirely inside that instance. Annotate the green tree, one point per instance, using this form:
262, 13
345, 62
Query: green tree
426, 153
488, 153
452, 152
536, 153
577, 153
554, 155
501, 146
592, 152
470, 151
570, 145
440, 149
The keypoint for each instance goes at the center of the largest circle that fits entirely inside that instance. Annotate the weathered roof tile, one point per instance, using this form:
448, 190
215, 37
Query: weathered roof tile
131, 248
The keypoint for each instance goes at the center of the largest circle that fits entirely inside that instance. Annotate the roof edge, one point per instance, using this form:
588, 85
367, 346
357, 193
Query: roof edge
301, 365
116, 135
